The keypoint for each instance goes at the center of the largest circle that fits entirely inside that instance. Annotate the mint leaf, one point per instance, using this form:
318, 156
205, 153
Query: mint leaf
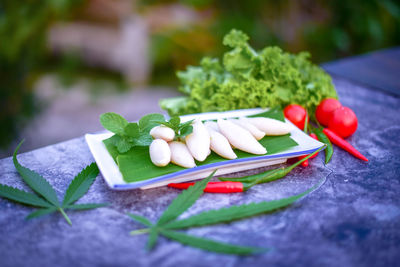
35, 181
23, 197
114, 139
113, 122
175, 121
184, 201
185, 130
143, 140
124, 145
41, 212
81, 184
147, 122
132, 130
210, 245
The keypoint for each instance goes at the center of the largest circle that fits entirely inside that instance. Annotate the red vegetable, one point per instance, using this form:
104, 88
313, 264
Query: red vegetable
214, 187
245, 183
340, 142
343, 122
325, 110
296, 114
305, 163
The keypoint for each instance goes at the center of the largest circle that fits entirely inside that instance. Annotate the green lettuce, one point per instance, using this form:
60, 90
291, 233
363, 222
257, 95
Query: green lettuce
247, 78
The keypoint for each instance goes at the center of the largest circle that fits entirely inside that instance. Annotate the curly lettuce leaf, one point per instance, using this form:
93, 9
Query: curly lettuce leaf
247, 79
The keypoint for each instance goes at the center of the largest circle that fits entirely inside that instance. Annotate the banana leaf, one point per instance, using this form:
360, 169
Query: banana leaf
135, 165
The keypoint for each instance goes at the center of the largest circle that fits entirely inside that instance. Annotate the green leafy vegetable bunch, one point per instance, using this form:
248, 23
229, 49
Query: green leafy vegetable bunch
248, 78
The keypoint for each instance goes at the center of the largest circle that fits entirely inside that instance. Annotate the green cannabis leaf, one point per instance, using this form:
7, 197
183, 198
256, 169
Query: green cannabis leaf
181, 129
232, 213
45, 197
168, 223
128, 135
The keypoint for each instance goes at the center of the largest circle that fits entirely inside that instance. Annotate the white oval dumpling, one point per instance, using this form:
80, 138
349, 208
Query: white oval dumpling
162, 132
220, 145
211, 125
271, 126
245, 123
180, 155
240, 138
160, 153
198, 142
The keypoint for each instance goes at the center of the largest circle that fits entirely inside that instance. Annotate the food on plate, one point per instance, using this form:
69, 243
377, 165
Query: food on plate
220, 145
198, 142
180, 155
162, 132
240, 138
271, 126
245, 123
160, 153
137, 163
212, 125
221, 136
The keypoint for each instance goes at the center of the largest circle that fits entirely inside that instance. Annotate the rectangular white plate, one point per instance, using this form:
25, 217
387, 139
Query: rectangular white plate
113, 176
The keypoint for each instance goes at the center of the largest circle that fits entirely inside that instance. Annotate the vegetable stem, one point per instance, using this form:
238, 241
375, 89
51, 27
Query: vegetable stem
282, 172
140, 231
65, 216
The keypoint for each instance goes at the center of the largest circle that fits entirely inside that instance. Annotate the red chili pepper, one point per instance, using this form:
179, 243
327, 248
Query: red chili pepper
305, 163
250, 181
340, 142
214, 187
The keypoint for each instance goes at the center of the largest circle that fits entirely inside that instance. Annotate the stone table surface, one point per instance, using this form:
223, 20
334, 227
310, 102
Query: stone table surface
352, 219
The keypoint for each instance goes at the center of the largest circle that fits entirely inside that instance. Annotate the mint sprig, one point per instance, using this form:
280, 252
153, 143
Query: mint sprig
129, 134
168, 222
45, 197
181, 129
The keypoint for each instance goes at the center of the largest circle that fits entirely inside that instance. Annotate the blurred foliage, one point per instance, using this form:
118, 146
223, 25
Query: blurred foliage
22, 55
328, 29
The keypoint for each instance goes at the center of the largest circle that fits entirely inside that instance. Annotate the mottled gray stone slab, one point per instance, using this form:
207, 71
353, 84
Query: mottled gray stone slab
352, 219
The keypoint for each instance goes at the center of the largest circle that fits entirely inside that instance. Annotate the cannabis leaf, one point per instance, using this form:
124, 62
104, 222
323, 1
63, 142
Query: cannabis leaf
232, 213
129, 134
184, 201
210, 245
45, 197
168, 223
181, 129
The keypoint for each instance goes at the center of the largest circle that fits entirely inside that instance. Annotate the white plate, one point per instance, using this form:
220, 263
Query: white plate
113, 176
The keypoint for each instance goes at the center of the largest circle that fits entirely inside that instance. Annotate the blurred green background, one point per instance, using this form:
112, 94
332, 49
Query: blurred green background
179, 33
